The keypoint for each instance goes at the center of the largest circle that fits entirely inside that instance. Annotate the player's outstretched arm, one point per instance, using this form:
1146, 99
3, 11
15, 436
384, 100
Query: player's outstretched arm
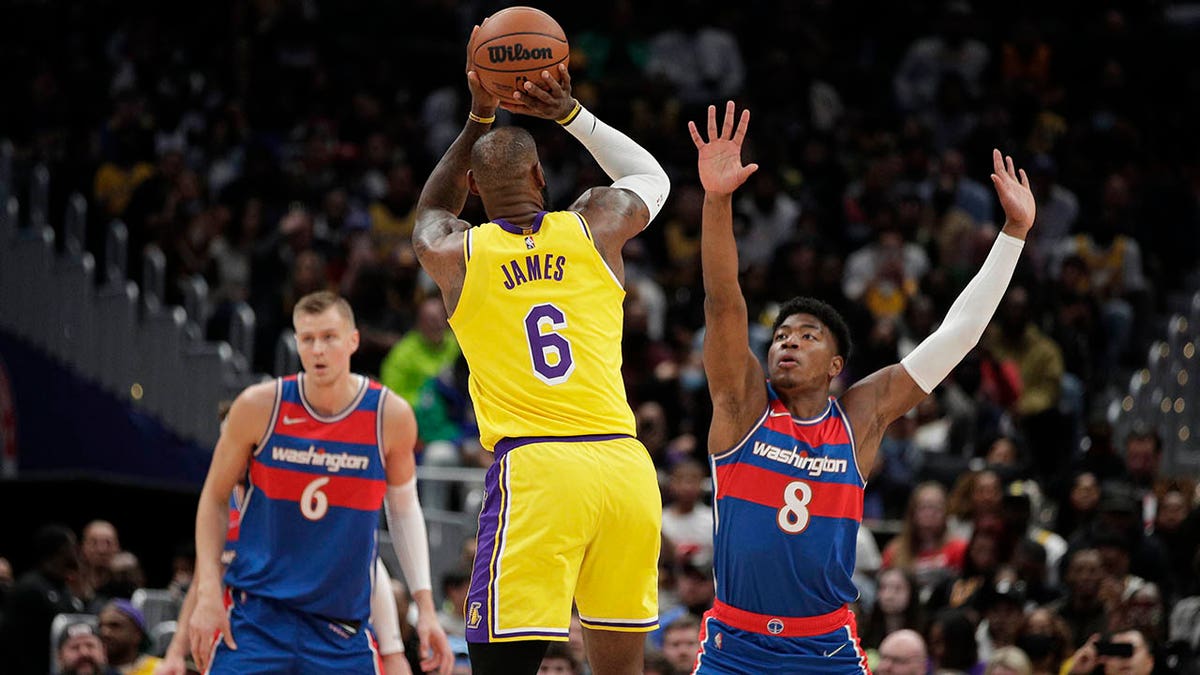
245, 426
640, 185
406, 522
437, 232
876, 401
735, 378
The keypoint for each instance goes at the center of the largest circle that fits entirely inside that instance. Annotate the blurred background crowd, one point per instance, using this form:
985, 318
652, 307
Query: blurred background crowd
277, 147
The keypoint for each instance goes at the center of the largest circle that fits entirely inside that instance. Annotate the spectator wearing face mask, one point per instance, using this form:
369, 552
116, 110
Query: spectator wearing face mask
1046, 640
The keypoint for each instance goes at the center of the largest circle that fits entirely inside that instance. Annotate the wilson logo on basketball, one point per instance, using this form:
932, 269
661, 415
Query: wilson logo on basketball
518, 52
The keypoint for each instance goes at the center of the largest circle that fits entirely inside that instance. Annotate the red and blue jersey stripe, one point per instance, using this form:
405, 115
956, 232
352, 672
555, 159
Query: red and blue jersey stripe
306, 534
788, 504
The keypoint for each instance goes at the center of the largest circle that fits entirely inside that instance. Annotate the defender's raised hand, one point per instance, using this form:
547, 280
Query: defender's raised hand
1012, 186
720, 158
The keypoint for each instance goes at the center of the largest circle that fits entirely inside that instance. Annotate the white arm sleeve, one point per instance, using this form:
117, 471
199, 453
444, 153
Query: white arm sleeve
936, 356
406, 523
385, 617
629, 165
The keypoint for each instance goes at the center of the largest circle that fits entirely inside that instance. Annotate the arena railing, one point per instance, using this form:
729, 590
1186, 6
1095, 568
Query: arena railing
114, 332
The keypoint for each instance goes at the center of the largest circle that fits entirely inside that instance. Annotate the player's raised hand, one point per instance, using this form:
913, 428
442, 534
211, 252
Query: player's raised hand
720, 158
1012, 186
481, 100
548, 98
436, 655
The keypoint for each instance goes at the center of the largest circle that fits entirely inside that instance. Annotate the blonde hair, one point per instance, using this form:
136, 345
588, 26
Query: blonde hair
1009, 657
905, 545
316, 303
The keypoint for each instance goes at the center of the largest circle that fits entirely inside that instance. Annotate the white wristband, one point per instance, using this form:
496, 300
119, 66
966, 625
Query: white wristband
938, 354
406, 523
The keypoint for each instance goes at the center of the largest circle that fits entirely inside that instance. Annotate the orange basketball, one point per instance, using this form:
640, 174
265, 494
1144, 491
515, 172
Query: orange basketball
514, 45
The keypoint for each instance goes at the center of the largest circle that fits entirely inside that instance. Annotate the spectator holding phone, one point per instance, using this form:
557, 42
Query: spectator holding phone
1126, 652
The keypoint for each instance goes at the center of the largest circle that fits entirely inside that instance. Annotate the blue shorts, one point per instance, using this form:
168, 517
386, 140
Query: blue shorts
725, 650
274, 638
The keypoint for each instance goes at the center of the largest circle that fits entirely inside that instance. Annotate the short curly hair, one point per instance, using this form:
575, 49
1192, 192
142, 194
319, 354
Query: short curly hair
826, 314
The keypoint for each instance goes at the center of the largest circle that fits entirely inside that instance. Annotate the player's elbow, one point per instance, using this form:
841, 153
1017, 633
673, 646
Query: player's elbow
421, 240
421, 247
652, 187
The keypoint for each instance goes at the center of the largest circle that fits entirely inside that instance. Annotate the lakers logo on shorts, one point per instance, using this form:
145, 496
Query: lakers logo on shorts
473, 615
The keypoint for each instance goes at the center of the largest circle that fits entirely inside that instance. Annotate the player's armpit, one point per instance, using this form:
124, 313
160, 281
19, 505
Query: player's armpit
735, 412
876, 401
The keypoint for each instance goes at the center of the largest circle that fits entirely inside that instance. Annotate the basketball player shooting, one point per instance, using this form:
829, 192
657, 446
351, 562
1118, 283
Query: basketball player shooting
788, 458
571, 508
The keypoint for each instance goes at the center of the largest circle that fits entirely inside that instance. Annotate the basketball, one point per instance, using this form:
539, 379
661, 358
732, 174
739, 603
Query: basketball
514, 45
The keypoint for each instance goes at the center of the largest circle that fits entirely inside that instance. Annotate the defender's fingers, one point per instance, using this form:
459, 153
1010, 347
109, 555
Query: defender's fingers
712, 122
727, 126
695, 135
743, 125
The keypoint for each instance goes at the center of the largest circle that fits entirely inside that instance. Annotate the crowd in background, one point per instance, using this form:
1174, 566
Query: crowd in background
278, 147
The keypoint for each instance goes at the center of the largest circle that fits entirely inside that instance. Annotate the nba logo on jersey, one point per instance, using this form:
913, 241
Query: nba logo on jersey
529, 243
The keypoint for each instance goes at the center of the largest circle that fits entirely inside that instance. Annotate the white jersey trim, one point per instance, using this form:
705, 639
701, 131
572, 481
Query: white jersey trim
853, 445
643, 622
379, 446
806, 422
338, 416
592, 241
262, 442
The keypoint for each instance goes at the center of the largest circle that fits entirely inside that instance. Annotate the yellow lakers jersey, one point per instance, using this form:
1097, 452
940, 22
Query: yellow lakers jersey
539, 322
